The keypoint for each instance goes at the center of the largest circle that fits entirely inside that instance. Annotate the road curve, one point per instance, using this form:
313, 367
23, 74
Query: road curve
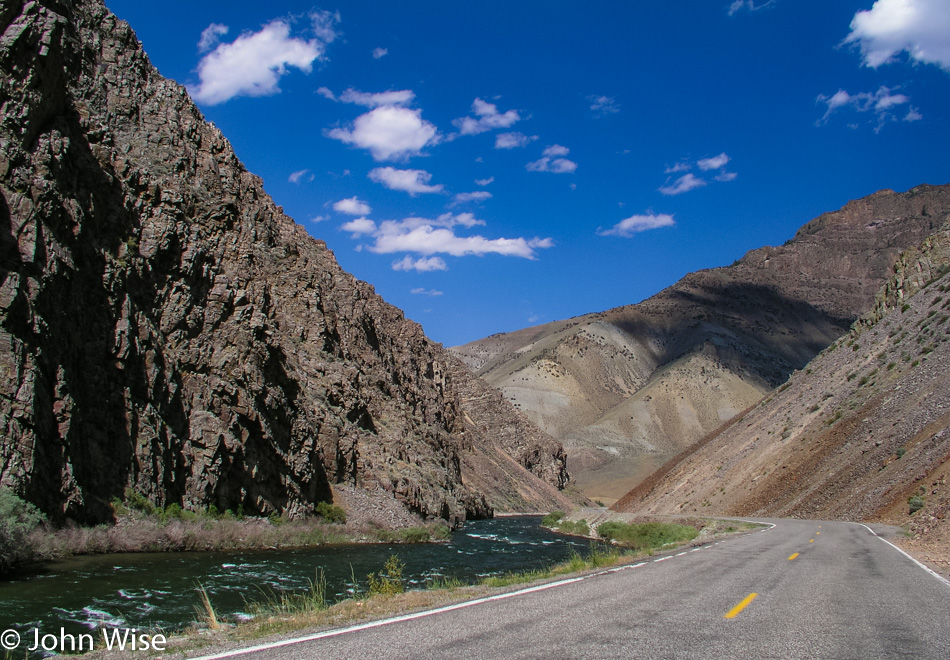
802, 589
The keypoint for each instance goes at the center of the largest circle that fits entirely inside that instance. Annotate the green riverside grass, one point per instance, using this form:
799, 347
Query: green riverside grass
383, 593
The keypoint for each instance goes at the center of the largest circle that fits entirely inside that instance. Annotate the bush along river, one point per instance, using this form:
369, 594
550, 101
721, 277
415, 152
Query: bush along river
159, 591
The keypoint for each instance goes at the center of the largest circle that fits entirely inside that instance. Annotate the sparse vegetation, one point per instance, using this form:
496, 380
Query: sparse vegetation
645, 536
389, 581
578, 528
17, 520
914, 504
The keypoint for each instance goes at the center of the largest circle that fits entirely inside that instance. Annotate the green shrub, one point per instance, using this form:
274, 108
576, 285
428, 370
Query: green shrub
415, 535
440, 532
389, 582
552, 518
331, 512
915, 503
17, 519
580, 528
645, 536
138, 502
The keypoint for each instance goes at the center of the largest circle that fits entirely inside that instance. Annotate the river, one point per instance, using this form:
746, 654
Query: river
159, 590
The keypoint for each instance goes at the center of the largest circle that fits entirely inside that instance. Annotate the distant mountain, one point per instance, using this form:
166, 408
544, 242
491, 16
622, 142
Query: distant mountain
165, 327
629, 388
862, 433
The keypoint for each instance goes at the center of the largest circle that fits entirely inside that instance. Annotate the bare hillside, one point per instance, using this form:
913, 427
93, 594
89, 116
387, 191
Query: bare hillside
862, 433
628, 388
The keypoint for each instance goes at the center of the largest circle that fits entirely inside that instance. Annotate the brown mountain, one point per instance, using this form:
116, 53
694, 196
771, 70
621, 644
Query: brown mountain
857, 435
628, 388
164, 326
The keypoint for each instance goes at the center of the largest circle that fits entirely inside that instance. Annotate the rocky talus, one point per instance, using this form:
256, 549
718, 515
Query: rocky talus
165, 327
629, 388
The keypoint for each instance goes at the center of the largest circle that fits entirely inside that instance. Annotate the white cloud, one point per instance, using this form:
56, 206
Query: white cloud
637, 223
419, 291
603, 105
477, 196
513, 140
370, 99
358, 227
389, 133
429, 237
486, 118
210, 36
410, 181
484, 182
882, 104
739, 5
297, 177
683, 184
714, 163
690, 181
380, 52
423, 264
889, 27
319, 218
352, 206
253, 63
374, 100
430, 240
552, 161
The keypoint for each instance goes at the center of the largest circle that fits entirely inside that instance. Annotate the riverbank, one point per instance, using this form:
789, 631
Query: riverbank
141, 527
310, 612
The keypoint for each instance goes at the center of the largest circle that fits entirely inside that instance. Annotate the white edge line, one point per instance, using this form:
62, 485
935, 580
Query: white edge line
385, 622
923, 566
419, 615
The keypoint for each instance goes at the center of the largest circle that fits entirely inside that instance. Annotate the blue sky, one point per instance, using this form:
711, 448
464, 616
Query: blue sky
488, 166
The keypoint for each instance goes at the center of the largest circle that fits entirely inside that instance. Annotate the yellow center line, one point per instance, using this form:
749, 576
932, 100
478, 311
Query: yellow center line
817, 533
731, 614
793, 556
812, 541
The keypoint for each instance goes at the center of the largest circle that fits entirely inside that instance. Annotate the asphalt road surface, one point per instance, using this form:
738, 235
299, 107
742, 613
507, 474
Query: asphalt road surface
802, 589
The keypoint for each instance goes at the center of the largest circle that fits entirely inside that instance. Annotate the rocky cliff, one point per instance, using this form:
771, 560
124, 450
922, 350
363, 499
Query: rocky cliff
861, 433
164, 326
629, 388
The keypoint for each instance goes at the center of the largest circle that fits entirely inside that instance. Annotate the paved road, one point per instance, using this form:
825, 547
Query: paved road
823, 590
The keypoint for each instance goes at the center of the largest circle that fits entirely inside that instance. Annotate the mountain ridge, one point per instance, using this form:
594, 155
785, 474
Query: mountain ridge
618, 388
862, 433
165, 327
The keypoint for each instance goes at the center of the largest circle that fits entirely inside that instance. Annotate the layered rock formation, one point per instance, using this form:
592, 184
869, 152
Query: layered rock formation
164, 326
629, 388
862, 433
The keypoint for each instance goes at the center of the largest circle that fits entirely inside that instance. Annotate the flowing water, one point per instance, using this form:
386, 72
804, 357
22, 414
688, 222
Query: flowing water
149, 591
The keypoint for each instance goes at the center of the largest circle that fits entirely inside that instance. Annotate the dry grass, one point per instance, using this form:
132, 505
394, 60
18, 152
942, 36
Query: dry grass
139, 533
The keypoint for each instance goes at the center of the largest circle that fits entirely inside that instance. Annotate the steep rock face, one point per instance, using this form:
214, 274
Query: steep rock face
628, 388
860, 431
164, 326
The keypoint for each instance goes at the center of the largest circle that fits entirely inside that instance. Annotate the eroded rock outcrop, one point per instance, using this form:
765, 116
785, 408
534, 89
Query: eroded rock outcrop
164, 326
